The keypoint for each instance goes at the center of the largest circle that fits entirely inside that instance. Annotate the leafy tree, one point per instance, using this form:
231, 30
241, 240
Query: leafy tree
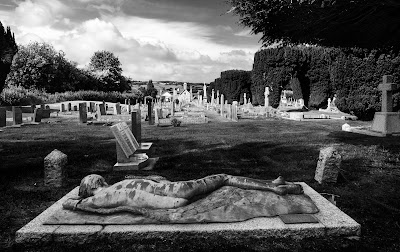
8, 48
107, 69
344, 23
149, 91
39, 65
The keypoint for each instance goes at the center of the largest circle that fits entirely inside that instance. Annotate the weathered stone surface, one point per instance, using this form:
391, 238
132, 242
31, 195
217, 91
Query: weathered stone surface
333, 222
54, 165
328, 165
82, 112
17, 115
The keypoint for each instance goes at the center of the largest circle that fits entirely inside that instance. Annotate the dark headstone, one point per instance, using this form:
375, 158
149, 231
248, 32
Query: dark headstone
82, 112
136, 124
46, 113
17, 115
91, 107
47, 107
102, 109
42, 106
69, 107
150, 112
62, 107
118, 108
3, 117
75, 108
37, 115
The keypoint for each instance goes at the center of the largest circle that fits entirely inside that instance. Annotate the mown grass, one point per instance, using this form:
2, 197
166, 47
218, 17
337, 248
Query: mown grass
368, 187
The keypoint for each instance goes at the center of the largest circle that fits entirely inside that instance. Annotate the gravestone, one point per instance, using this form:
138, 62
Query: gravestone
3, 117
102, 109
234, 111
126, 146
37, 115
75, 108
42, 106
69, 106
150, 112
328, 165
82, 112
117, 108
54, 168
156, 115
266, 97
244, 99
91, 107
17, 115
136, 124
62, 107
212, 97
387, 122
222, 103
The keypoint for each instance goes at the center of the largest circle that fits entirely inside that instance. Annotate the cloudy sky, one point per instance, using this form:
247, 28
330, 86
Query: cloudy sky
182, 40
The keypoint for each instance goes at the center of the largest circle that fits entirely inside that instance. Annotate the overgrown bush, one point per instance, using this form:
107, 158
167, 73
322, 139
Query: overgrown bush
175, 122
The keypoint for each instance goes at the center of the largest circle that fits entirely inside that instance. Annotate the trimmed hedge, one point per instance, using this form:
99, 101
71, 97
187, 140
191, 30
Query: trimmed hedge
318, 73
232, 84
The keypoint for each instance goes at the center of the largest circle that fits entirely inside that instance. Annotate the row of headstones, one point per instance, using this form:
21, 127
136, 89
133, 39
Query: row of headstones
229, 111
38, 114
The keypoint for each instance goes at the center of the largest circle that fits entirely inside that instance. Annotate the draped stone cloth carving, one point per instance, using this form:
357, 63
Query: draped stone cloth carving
227, 204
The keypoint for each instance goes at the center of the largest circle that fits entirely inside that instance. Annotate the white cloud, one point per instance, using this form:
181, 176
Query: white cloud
244, 33
147, 48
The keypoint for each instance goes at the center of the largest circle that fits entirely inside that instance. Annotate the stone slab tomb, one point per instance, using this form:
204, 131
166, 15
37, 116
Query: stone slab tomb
330, 221
130, 154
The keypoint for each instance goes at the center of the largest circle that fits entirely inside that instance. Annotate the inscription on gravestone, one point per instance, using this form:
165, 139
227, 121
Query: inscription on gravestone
125, 139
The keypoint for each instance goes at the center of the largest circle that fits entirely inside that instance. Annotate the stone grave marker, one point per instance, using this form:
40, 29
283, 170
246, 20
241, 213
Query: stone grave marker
54, 168
126, 146
150, 112
37, 115
3, 117
102, 109
17, 115
387, 122
62, 107
82, 112
117, 108
328, 165
75, 108
91, 107
42, 106
136, 124
69, 106
266, 97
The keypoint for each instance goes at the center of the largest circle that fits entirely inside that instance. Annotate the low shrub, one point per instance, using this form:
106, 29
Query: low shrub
175, 122
20, 96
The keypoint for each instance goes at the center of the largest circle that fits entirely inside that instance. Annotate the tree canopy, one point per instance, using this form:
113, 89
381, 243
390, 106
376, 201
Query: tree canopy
338, 23
8, 48
40, 66
107, 68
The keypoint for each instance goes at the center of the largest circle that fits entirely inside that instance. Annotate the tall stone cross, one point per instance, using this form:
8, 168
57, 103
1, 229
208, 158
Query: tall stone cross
387, 87
266, 99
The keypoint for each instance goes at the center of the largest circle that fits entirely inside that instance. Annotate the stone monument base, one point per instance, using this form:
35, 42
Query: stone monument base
387, 123
331, 222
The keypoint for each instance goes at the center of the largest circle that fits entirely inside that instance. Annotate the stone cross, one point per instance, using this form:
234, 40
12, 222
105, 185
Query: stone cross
266, 99
387, 87
329, 103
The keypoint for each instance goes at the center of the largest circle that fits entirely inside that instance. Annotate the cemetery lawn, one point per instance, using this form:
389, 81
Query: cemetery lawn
367, 189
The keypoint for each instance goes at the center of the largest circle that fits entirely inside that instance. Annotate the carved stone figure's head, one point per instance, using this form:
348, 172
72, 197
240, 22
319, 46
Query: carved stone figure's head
89, 184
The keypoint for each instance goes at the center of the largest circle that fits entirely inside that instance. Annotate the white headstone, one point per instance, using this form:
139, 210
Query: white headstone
125, 138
